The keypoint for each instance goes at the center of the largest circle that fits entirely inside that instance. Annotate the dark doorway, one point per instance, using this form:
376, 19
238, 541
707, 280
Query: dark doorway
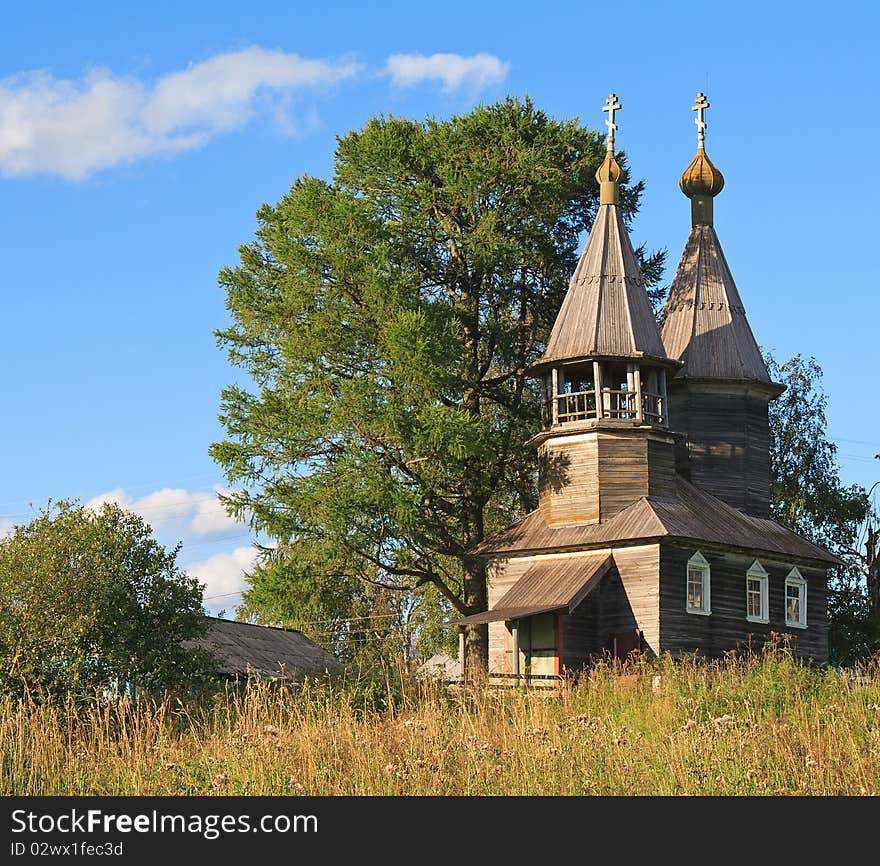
625, 644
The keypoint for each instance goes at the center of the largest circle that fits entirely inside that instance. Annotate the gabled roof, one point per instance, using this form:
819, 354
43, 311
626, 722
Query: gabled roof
553, 584
559, 583
692, 514
241, 648
704, 323
606, 310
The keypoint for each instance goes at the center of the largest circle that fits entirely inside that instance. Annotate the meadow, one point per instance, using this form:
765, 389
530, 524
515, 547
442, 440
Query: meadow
762, 725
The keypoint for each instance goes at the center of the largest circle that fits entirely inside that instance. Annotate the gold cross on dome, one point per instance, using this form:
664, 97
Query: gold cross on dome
611, 105
700, 107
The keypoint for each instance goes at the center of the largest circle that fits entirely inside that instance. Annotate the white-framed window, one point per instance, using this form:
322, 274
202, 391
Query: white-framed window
795, 600
698, 585
757, 594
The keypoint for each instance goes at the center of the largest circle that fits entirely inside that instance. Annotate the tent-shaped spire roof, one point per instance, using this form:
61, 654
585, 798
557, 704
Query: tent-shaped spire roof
704, 321
606, 310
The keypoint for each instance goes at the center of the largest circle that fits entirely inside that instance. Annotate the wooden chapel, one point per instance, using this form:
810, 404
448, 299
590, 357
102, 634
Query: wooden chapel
653, 530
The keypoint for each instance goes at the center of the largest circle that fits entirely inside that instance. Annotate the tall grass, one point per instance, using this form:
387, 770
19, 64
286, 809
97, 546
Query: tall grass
765, 725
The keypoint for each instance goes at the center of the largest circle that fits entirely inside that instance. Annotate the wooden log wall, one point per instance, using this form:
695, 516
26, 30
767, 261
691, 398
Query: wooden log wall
727, 628
727, 442
589, 477
503, 574
568, 479
627, 599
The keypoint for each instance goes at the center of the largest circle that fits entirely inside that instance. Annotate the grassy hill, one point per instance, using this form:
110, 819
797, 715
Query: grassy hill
764, 725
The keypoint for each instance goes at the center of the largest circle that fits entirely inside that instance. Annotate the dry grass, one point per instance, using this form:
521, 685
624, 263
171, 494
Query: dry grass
762, 726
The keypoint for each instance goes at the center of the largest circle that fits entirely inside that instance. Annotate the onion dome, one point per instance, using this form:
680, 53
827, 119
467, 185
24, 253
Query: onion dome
701, 177
701, 180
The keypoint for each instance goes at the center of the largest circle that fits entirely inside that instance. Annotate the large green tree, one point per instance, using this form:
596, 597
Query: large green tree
808, 496
90, 601
387, 319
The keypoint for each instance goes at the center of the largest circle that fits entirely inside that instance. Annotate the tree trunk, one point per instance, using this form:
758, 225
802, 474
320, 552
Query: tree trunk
476, 641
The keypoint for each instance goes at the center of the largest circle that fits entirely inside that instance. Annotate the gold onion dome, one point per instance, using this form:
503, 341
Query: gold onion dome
608, 174
701, 177
701, 180
609, 171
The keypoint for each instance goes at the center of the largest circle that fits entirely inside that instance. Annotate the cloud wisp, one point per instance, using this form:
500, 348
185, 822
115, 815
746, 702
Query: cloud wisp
74, 128
195, 518
454, 72
191, 515
223, 576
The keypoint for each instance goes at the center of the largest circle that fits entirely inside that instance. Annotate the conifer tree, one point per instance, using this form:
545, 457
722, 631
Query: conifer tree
387, 319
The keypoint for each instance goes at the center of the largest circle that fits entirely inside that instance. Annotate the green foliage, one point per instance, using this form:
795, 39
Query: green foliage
89, 601
386, 320
808, 496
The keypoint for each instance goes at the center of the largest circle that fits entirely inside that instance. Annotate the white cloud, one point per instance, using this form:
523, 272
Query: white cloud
6, 527
74, 128
223, 575
192, 514
453, 71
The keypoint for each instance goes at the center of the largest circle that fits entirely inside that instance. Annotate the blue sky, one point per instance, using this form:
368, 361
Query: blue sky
138, 140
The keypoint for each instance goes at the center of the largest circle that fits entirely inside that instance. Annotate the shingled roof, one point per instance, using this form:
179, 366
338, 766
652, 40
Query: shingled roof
554, 584
241, 648
692, 515
606, 310
704, 322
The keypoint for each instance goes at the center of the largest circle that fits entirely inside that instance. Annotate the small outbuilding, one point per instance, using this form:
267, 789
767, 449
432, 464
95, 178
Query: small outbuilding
242, 649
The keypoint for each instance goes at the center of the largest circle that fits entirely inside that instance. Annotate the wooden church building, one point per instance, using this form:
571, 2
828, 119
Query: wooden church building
653, 531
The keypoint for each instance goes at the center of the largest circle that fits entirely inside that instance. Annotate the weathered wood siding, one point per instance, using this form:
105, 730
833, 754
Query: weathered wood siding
568, 486
758, 457
661, 460
623, 472
591, 476
728, 442
503, 573
727, 628
627, 599
632, 466
639, 568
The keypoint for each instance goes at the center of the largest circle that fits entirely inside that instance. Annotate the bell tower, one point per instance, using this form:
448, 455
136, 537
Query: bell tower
605, 440
719, 398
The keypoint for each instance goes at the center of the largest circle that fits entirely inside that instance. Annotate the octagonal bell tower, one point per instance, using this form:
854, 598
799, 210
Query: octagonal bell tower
605, 440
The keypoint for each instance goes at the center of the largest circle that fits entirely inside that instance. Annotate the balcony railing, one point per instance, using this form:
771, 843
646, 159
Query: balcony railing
619, 404
581, 406
577, 406
653, 409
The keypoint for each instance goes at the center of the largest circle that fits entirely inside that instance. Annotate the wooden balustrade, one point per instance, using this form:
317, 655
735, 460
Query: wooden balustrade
581, 406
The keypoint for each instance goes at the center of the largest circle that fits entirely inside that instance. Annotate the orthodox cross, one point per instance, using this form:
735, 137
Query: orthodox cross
700, 107
611, 105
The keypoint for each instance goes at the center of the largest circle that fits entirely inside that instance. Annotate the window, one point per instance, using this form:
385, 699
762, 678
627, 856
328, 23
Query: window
698, 585
795, 600
757, 595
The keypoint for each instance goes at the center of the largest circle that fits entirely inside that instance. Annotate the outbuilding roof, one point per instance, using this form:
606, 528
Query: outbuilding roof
241, 648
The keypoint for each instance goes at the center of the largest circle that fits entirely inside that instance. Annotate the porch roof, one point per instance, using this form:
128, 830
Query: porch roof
554, 584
